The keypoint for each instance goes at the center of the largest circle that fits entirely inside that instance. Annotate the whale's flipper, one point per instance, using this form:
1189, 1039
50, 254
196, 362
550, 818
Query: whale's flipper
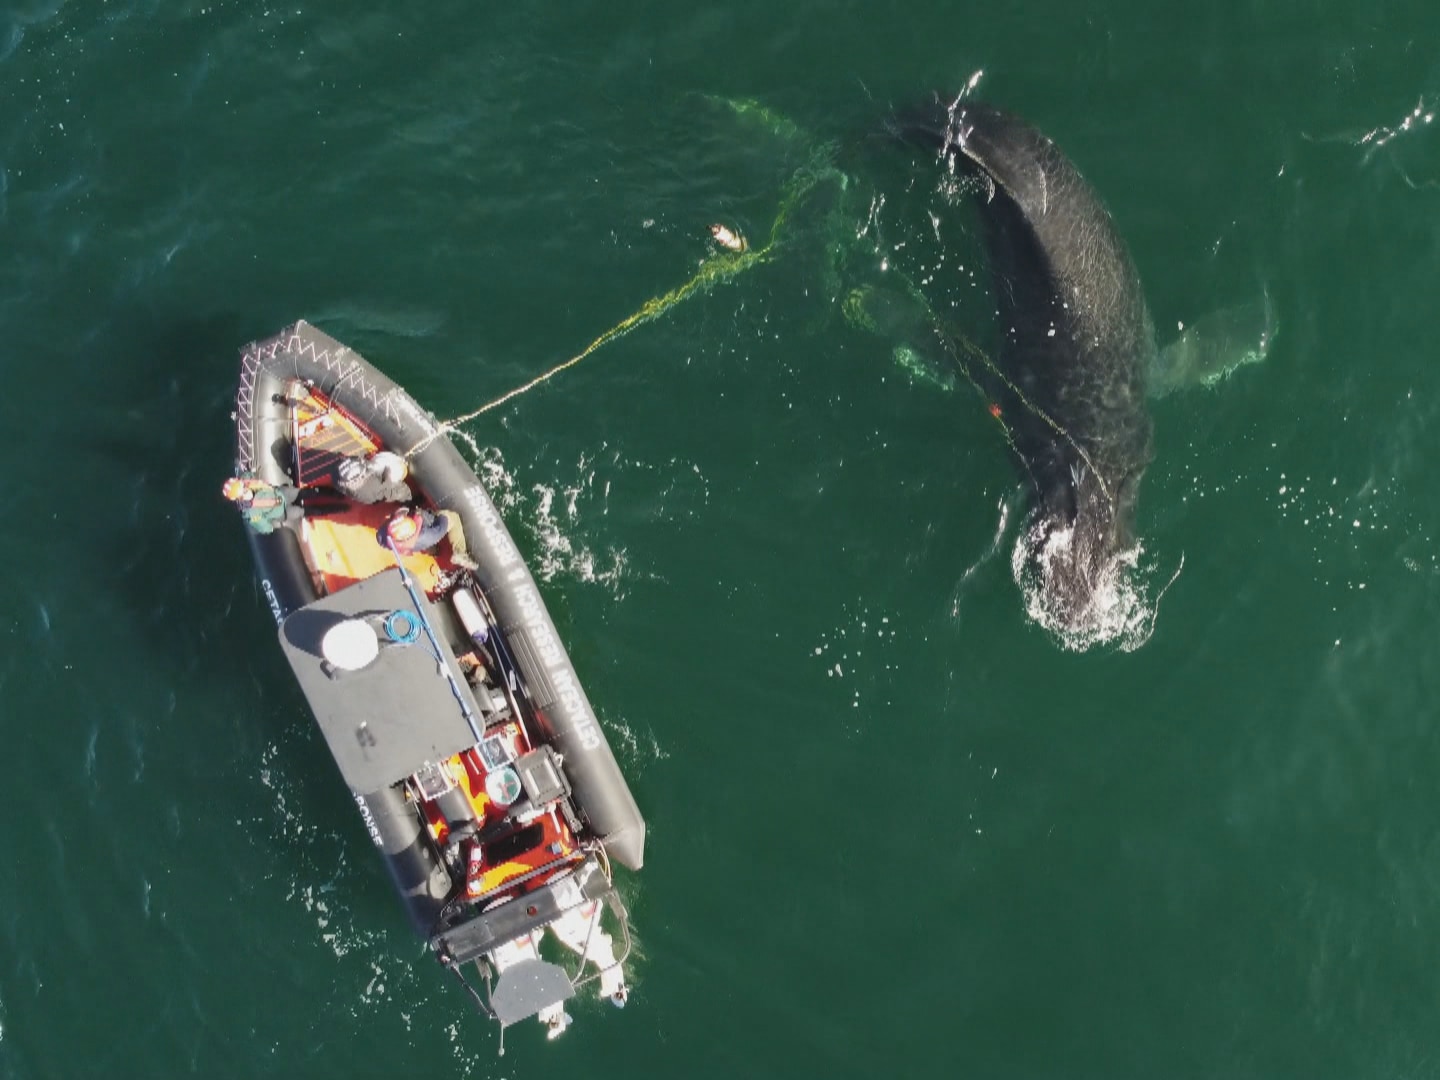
888, 311
1213, 348
902, 314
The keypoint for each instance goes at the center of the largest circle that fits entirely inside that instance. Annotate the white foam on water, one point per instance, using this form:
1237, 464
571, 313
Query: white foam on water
1120, 611
554, 517
635, 749
562, 556
558, 509
1417, 118
489, 465
1412, 125
552, 514
91, 753
371, 979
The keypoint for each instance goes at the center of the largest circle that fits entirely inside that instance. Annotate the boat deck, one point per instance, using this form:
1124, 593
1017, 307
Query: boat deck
343, 550
405, 707
341, 545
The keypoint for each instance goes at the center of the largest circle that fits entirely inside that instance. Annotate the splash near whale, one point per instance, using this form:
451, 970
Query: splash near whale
1069, 381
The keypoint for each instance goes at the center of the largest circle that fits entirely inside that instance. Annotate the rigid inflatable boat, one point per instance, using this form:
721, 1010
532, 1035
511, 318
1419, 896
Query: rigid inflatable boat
437, 678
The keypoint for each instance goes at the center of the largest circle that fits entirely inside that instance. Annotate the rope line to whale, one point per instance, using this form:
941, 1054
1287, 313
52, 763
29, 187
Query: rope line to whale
948, 338
725, 268
713, 272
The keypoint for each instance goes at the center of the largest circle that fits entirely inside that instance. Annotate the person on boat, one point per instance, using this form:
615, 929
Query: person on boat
408, 531
377, 478
265, 507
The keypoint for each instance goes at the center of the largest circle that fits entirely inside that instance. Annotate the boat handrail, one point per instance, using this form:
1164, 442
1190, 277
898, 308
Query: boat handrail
622, 916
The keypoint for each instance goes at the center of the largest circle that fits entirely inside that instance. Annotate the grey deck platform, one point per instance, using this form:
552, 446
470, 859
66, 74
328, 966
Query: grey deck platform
388, 719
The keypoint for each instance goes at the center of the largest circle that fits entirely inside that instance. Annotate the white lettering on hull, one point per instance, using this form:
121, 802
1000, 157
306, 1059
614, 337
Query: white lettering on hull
507, 555
536, 621
369, 819
569, 696
273, 600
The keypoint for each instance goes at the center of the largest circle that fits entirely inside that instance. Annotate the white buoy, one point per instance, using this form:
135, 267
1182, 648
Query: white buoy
728, 238
350, 645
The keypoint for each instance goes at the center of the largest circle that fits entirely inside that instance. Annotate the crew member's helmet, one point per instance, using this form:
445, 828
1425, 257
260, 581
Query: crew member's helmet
403, 527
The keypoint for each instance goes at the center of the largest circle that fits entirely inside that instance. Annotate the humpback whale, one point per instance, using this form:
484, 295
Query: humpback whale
1075, 345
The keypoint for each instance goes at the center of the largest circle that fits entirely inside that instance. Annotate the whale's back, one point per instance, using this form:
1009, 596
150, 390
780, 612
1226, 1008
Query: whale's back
1076, 339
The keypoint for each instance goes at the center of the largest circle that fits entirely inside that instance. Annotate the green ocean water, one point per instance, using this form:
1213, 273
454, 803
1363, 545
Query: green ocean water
896, 829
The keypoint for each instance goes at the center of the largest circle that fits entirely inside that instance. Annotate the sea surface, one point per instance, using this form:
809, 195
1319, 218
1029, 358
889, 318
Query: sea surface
897, 827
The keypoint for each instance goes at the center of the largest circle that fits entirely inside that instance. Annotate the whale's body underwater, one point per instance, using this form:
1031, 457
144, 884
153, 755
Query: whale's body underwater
1075, 345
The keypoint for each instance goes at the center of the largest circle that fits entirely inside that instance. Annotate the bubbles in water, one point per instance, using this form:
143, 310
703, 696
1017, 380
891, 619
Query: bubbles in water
1349, 531
319, 861
849, 653
1378, 140
1354, 530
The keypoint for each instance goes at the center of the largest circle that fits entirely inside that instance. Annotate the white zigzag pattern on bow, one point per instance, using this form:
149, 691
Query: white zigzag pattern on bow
342, 362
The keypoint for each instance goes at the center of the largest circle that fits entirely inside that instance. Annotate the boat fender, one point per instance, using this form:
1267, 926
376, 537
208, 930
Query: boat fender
470, 616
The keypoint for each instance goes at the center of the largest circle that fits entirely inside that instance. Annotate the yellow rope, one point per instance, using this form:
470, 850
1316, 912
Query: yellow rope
711, 273
983, 357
